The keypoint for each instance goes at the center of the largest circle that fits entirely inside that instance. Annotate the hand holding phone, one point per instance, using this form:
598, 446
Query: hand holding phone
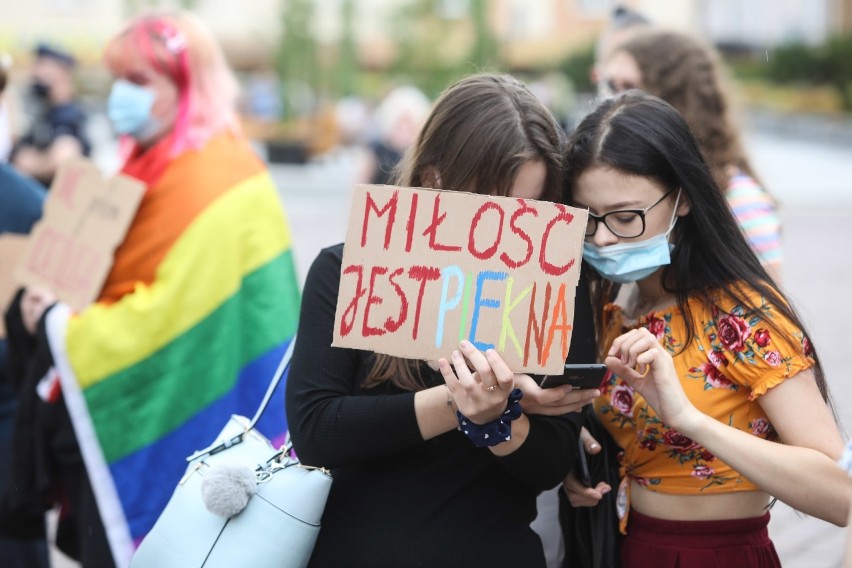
586, 376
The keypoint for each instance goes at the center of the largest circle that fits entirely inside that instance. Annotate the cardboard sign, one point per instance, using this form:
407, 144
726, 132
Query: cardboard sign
85, 218
424, 269
12, 248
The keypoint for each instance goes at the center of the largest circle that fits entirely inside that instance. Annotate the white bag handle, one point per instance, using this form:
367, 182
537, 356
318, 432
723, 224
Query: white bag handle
276, 378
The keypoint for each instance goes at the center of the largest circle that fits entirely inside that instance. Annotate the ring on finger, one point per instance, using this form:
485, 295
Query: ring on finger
495, 386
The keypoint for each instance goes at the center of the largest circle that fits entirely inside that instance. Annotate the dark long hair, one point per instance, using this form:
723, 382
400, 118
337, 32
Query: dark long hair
479, 134
642, 135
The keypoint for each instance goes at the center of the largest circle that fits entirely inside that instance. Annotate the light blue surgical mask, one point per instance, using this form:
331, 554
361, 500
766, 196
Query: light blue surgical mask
630, 262
129, 110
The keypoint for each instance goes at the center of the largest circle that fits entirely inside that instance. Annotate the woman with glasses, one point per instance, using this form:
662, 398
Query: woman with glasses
687, 74
716, 394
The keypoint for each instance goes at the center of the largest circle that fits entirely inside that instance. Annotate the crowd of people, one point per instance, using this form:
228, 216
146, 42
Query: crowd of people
714, 404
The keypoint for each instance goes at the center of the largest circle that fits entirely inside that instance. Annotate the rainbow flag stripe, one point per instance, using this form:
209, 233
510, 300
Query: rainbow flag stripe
153, 376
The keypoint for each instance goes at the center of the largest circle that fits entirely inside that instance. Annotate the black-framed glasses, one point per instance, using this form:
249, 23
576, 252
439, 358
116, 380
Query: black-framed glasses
624, 223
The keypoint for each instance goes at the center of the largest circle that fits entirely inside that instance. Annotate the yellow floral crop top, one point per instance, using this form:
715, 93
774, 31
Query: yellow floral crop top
734, 358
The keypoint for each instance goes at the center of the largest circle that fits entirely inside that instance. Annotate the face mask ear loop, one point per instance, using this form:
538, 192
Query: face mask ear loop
674, 215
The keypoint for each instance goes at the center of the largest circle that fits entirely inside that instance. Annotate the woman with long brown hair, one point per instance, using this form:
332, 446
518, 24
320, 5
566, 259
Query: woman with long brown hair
409, 487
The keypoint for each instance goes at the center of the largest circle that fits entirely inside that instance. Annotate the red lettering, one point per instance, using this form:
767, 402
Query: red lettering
533, 329
409, 227
390, 324
352, 309
520, 232
68, 187
64, 264
424, 274
45, 250
372, 299
85, 268
560, 312
547, 267
389, 208
432, 229
471, 246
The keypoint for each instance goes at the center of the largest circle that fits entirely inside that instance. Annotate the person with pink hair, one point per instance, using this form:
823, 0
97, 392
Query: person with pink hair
199, 305
173, 90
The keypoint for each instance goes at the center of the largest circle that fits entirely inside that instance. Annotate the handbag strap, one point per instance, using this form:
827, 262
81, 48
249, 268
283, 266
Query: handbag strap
276, 378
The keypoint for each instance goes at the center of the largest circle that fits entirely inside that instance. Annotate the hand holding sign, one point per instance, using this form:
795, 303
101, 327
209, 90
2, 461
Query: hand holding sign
480, 394
70, 251
424, 269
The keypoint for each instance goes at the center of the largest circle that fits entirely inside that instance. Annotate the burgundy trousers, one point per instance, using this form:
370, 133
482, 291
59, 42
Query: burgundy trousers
733, 543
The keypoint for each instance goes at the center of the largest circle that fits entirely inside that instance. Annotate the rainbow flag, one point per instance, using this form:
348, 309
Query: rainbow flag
153, 371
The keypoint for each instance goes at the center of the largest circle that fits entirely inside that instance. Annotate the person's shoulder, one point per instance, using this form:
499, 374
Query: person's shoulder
741, 185
325, 269
21, 200
20, 187
747, 301
332, 254
334, 250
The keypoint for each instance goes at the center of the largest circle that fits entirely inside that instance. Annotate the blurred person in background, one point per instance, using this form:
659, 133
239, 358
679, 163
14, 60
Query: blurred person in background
58, 128
195, 313
623, 25
21, 198
397, 119
688, 74
5, 115
846, 463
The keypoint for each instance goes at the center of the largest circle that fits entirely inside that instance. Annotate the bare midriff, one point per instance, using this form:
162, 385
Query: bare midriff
669, 506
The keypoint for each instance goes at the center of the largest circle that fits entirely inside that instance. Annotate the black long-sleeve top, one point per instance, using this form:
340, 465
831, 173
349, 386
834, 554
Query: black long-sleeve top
396, 499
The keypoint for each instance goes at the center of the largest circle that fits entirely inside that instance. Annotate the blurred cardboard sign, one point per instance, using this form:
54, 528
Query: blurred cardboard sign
70, 250
424, 269
12, 248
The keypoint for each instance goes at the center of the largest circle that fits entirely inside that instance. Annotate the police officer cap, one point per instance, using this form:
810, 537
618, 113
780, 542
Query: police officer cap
45, 50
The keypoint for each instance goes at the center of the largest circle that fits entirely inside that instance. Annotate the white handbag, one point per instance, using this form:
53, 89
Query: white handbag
277, 527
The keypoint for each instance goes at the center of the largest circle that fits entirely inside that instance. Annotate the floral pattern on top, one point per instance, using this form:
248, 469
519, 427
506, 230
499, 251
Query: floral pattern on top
736, 355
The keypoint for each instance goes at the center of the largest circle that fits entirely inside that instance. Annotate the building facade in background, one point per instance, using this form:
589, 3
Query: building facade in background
529, 33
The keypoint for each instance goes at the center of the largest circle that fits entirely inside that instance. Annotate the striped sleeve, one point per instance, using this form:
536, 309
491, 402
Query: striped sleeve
757, 215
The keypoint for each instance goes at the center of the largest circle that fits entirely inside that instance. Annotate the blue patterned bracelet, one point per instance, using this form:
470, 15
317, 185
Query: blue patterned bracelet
496, 431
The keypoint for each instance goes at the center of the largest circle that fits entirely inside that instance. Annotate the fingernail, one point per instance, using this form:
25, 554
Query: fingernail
605, 490
465, 344
456, 355
490, 353
596, 393
593, 446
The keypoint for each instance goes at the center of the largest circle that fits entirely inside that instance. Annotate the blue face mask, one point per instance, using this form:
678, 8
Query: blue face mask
129, 110
630, 262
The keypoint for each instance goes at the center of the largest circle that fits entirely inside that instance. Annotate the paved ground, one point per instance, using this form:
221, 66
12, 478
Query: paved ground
814, 184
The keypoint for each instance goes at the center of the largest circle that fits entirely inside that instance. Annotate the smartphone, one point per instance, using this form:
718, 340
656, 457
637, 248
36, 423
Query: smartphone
586, 376
583, 474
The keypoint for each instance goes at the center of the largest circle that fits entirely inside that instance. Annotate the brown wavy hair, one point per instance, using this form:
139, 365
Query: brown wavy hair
480, 132
688, 74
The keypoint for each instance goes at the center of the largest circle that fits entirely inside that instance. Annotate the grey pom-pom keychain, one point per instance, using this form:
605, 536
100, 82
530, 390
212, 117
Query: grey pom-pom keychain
227, 488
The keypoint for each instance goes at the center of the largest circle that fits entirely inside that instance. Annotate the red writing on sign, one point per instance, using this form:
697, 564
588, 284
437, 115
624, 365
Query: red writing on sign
488, 230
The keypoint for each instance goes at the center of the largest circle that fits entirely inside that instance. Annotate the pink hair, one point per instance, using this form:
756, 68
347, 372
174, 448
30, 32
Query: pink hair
177, 45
